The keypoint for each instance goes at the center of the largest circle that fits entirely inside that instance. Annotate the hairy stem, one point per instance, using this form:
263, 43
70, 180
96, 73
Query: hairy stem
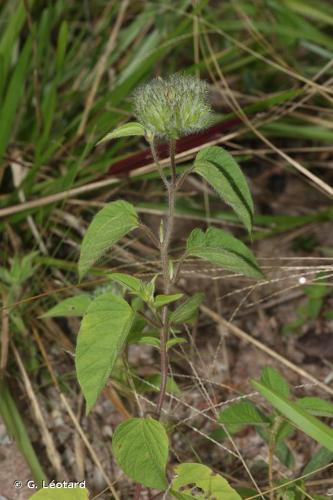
167, 279
183, 177
157, 163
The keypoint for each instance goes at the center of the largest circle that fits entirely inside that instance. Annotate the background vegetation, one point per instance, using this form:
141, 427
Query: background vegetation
67, 71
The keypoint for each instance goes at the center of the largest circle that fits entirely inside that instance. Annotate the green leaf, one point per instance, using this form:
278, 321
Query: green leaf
137, 330
238, 416
16, 427
317, 290
187, 310
213, 486
244, 413
130, 282
130, 128
14, 94
107, 227
329, 314
273, 380
223, 249
286, 429
222, 172
61, 47
162, 300
148, 290
175, 341
152, 383
316, 406
318, 460
221, 434
294, 325
73, 306
301, 419
283, 453
143, 290
137, 304
103, 332
245, 492
140, 447
148, 340
61, 494
281, 450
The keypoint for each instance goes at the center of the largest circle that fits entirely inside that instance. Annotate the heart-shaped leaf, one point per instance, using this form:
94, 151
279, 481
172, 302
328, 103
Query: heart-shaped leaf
140, 447
214, 486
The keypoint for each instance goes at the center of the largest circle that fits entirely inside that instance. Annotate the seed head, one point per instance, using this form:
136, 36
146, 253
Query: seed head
173, 107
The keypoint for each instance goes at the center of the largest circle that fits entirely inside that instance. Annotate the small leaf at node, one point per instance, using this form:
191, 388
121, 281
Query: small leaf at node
187, 310
126, 130
162, 300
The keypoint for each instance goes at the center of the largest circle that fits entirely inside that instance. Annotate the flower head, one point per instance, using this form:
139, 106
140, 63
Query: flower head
173, 107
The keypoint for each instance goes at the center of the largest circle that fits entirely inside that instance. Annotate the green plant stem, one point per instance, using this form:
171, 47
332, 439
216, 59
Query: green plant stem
183, 177
157, 163
167, 279
173, 164
272, 444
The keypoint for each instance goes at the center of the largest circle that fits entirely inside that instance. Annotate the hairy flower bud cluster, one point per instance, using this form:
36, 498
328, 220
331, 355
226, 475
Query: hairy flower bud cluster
173, 107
